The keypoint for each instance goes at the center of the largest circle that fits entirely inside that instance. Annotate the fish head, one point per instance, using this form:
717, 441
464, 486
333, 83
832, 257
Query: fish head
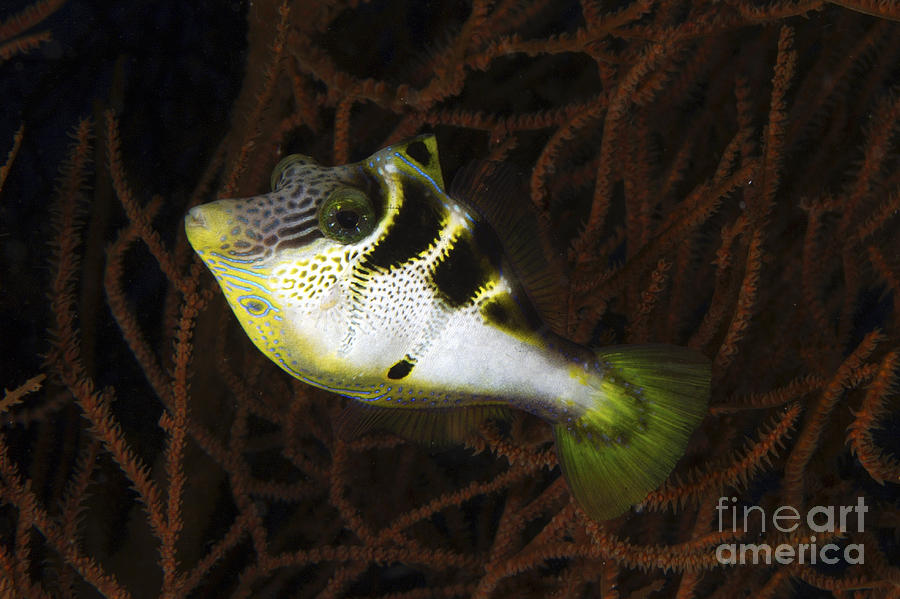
285, 260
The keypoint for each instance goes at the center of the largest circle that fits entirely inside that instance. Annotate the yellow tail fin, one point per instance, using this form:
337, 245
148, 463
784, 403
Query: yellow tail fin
650, 398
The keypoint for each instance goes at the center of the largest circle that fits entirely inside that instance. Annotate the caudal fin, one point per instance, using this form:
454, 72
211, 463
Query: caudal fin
650, 398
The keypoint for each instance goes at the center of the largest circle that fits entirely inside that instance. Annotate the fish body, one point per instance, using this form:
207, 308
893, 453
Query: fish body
370, 280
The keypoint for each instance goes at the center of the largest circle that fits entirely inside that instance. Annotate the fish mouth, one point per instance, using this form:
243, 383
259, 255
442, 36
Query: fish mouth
194, 218
197, 225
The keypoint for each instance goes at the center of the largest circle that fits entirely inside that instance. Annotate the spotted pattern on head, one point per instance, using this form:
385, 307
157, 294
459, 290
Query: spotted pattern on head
287, 218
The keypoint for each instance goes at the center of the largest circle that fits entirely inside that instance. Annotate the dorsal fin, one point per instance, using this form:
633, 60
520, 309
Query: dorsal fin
494, 190
434, 426
419, 156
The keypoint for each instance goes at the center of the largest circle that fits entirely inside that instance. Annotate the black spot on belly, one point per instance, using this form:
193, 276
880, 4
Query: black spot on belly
400, 370
418, 151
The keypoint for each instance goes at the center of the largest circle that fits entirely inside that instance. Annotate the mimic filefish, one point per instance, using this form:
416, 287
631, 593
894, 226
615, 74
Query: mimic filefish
430, 309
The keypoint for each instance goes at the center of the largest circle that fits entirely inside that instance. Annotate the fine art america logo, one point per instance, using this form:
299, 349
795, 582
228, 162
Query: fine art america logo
824, 520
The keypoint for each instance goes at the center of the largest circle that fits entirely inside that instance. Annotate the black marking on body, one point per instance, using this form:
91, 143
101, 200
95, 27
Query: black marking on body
400, 370
488, 244
497, 314
416, 226
522, 313
461, 273
531, 318
504, 312
418, 151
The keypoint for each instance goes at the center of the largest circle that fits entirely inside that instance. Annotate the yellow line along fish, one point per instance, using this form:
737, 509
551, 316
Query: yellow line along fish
429, 309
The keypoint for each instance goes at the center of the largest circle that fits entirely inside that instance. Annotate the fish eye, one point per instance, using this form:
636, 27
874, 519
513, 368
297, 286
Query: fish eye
347, 215
286, 163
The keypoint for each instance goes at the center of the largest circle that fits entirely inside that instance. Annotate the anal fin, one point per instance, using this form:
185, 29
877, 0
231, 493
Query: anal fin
430, 426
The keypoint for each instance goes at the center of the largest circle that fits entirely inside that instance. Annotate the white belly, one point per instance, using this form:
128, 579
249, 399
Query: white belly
474, 358
456, 355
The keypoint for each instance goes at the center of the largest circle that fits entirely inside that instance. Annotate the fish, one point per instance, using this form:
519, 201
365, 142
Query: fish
436, 309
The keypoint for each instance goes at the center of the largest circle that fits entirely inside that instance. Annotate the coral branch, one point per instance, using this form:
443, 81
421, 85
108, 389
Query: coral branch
814, 423
877, 8
15, 396
740, 470
880, 466
17, 142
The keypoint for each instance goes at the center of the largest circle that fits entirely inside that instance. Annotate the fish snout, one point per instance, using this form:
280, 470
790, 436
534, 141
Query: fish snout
225, 225
200, 225
195, 219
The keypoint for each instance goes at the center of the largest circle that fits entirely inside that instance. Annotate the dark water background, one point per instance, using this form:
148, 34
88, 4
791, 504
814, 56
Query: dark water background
171, 70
